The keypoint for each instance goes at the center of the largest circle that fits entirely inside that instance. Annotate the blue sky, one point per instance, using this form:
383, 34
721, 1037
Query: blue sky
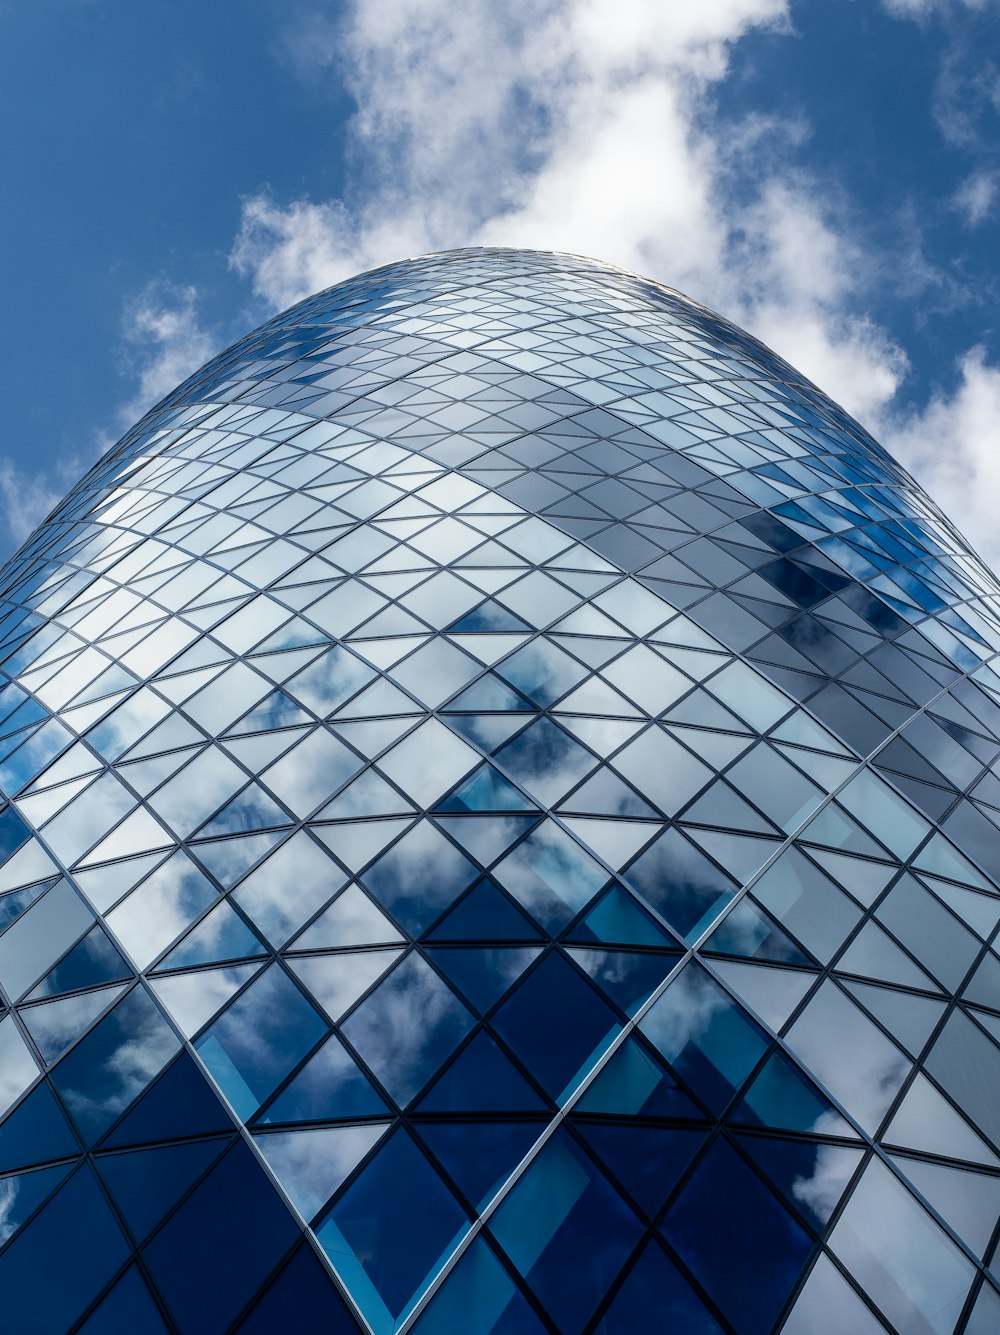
826, 174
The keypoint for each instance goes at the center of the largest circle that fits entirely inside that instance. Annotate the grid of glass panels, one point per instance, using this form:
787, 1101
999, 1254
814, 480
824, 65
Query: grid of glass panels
502, 792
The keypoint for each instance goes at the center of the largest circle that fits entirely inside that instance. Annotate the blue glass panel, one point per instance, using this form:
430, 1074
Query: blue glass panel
618, 919
258, 1040
481, 1079
145, 1183
479, 1298
681, 884
738, 1240
35, 1131
114, 1063
655, 1296
407, 1027
302, 1298
205, 1261
181, 1103
91, 962
556, 1024
331, 1086
708, 1039
484, 974
485, 790
479, 1155
485, 914
647, 1160
54, 1268
128, 1307
419, 877
561, 1211
390, 1230
22, 1193
634, 1081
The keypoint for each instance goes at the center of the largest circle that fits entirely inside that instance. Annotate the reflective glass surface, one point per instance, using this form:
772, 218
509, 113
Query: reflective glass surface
499, 827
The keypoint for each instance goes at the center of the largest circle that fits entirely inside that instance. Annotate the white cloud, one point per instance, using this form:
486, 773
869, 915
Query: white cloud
25, 499
975, 197
573, 125
164, 343
952, 447
923, 9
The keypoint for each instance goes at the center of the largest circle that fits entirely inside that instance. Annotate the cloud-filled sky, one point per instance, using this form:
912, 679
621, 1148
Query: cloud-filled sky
826, 175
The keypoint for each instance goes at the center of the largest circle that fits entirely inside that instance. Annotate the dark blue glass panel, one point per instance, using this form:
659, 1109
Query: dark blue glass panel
485, 914
481, 1079
419, 877
330, 1086
408, 1026
22, 1193
36, 1131
479, 1298
479, 1155
12, 905
655, 1296
738, 1240
255, 1043
567, 1231
634, 1081
617, 919
647, 1160
59, 1262
555, 1023
205, 1261
145, 1183
390, 1229
302, 1299
93, 961
106, 1070
181, 1103
627, 977
483, 974
486, 790
13, 833
127, 1308
680, 883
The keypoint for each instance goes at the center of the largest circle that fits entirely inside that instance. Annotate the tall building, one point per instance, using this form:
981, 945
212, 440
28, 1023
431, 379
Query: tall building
503, 789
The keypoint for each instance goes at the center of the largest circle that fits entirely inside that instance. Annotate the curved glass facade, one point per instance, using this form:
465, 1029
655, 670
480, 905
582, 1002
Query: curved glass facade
503, 787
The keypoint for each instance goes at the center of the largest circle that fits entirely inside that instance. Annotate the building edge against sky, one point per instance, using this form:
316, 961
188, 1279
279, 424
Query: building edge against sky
501, 837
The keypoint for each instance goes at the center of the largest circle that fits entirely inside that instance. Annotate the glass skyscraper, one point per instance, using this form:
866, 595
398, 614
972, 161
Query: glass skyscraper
502, 788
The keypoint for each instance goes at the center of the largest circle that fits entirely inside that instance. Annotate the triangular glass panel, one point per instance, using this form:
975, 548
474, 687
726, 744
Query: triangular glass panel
479, 1156
35, 1132
771, 993
487, 731
873, 954
483, 974
351, 920
909, 1018
355, 843
312, 1164
486, 837
91, 962
191, 999
605, 794
485, 914
22, 1193
367, 795
222, 935
486, 790
181, 1103
926, 1121
336, 981
747, 932
628, 977
969, 1202
489, 695
618, 919
634, 1083
228, 859
647, 1160
783, 1098
146, 1183
811, 1176
481, 1079
251, 809
330, 1087
54, 1025
489, 617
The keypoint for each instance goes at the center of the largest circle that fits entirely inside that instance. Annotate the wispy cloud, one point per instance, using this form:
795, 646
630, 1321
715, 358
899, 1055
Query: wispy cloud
976, 196
164, 341
574, 126
953, 448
